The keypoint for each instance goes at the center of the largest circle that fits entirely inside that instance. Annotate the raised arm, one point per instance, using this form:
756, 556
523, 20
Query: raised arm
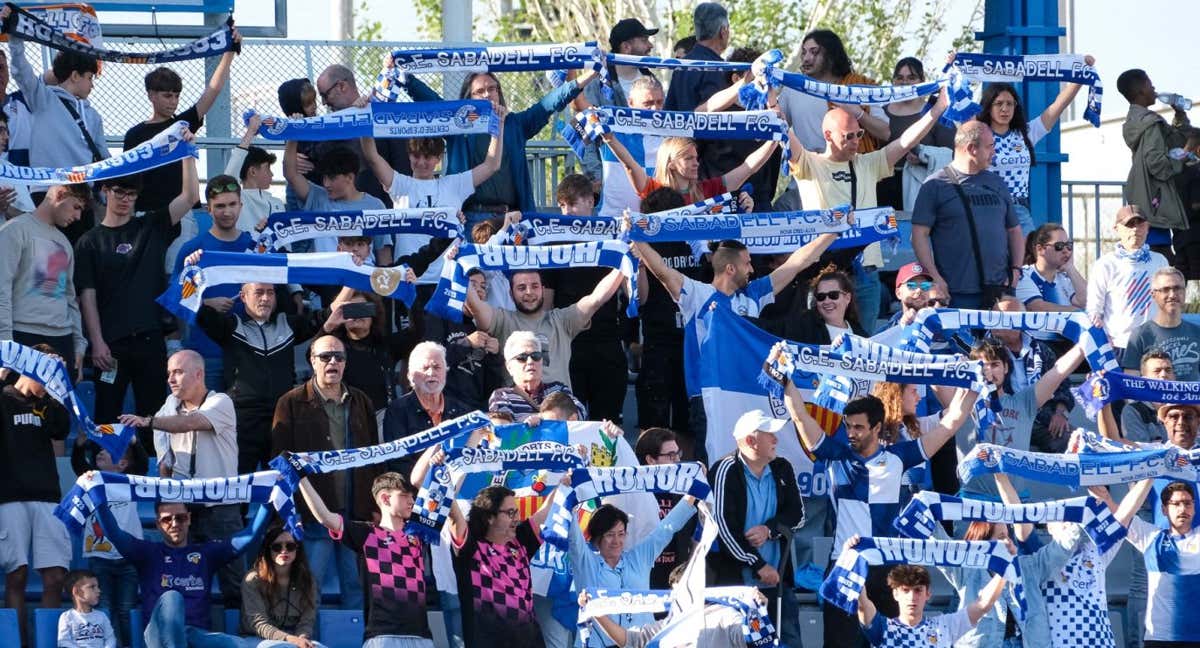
383, 171
724, 98
1132, 502
327, 518
637, 174
1054, 111
917, 132
803, 257
219, 77
495, 154
987, 598
807, 427
750, 165
1008, 495
604, 291
123, 542
652, 261
1107, 424
1049, 382
252, 535
190, 191
960, 408
295, 179
866, 609
482, 312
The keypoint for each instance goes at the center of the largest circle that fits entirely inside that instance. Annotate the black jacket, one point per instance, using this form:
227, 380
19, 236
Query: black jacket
728, 480
805, 325
406, 417
260, 365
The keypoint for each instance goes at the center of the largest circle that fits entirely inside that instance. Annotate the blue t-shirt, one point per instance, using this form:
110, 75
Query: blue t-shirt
188, 570
761, 505
196, 339
694, 298
866, 491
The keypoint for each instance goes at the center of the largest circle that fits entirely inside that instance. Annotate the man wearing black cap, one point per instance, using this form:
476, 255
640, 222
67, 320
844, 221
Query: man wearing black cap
118, 272
628, 36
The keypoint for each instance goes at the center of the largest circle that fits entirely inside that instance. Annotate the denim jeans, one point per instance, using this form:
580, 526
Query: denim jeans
1024, 219
118, 592
1135, 605
867, 294
168, 628
553, 632
452, 618
322, 551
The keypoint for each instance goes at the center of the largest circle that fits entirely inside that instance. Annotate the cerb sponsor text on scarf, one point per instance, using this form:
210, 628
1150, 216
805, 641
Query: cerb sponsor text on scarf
386, 120
51, 372
24, 25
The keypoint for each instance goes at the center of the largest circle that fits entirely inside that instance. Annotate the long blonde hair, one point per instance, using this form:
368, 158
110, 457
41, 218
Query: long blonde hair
668, 150
892, 395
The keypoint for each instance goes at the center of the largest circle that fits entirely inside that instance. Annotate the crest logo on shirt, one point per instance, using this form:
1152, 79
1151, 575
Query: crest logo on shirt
124, 248
932, 638
194, 558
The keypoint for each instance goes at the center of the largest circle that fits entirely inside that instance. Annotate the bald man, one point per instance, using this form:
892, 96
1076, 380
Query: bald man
959, 244
840, 175
195, 435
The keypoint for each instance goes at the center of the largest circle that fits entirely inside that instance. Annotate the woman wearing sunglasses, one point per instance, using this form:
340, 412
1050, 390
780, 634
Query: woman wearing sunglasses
831, 311
279, 594
524, 359
1049, 280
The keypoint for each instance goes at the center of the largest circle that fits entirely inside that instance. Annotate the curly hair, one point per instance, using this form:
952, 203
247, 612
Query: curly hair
893, 412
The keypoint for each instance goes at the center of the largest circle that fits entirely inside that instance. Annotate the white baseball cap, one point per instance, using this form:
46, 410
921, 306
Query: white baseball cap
756, 421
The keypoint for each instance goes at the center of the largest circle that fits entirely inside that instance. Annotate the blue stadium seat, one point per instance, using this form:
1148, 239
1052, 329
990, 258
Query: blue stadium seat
812, 624
233, 620
10, 630
45, 624
341, 628
137, 628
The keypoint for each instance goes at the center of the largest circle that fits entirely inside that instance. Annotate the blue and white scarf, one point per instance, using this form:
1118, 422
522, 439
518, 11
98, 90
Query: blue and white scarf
321, 269
285, 228
386, 120
24, 25
1069, 68
927, 508
52, 373
591, 483
741, 125
90, 493
76, 22
1102, 388
451, 294
164, 148
544, 229
1083, 469
763, 233
1140, 255
757, 628
846, 580
433, 502
1075, 327
292, 467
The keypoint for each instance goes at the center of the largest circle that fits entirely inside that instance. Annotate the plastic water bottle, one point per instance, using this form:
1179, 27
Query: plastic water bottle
1176, 101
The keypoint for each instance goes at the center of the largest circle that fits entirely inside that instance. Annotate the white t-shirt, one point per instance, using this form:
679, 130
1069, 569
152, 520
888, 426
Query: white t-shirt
407, 192
1173, 571
95, 541
79, 630
1119, 293
204, 454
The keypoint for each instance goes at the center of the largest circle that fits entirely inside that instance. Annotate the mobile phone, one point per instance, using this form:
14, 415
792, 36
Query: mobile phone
358, 310
110, 376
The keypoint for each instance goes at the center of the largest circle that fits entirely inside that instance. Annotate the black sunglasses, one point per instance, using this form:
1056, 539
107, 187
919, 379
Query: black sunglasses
832, 294
1063, 245
330, 356
937, 302
536, 356
284, 546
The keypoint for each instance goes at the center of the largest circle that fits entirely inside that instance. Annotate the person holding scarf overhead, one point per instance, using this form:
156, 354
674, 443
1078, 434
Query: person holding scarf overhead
511, 187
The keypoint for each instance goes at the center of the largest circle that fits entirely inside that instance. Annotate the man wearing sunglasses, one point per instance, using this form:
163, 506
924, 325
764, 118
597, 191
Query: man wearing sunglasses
1168, 332
327, 414
1118, 295
914, 290
175, 575
118, 273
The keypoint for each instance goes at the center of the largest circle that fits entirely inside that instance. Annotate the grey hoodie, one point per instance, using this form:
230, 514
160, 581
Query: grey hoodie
57, 141
1151, 184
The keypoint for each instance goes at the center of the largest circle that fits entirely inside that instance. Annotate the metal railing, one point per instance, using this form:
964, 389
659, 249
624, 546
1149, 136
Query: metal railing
1088, 210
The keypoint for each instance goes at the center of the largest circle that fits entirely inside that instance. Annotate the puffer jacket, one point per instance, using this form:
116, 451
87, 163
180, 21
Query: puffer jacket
1151, 181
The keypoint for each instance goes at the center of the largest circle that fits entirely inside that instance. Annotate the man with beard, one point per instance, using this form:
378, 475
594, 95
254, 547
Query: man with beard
556, 327
426, 405
913, 286
868, 501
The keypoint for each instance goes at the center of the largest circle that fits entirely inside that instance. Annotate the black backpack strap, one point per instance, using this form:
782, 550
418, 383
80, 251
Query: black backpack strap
853, 185
97, 154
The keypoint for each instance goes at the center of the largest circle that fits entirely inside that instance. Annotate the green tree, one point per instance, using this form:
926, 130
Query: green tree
429, 18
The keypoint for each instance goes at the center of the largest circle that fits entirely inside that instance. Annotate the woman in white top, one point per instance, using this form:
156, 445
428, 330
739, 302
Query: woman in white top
1016, 136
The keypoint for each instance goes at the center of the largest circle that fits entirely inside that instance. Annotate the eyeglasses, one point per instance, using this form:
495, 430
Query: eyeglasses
858, 134
510, 512
177, 518
325, 94
937, 301
1133, 222
918, 285
832, 294
125, 194
1168, 289
675, 454
484, 92
1063, 245
536, 356
330, 356
280, 547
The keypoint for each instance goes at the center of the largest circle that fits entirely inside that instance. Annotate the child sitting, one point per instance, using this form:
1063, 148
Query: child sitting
83, 626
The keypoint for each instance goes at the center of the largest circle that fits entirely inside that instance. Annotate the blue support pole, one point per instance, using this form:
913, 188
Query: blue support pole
1031, 27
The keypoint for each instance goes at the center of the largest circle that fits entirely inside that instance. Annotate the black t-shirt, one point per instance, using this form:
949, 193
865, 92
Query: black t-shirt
573, 284
367, 368
661, 321
26, 455
678, 550
392, 569
125, 266
496, 591
160, 186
